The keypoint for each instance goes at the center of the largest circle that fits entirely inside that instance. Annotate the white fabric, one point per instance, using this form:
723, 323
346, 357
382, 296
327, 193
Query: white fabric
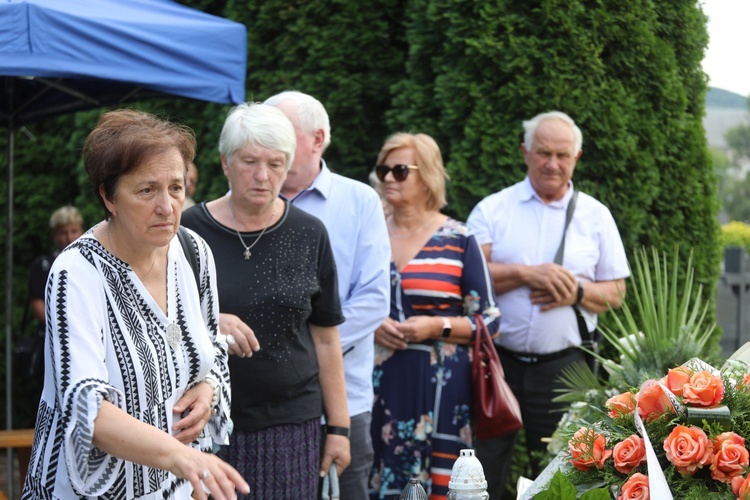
524, 230
106, 340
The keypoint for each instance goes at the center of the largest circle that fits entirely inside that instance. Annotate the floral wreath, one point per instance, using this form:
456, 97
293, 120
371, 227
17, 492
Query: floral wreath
682, 436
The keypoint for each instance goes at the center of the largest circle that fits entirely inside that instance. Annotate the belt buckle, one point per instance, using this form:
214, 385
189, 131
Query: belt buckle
527, 359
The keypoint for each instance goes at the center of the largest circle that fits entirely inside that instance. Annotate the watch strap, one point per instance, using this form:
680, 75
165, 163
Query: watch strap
339, 431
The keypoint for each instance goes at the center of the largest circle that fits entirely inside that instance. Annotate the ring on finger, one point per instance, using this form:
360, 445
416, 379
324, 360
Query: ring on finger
230, 340
206, 474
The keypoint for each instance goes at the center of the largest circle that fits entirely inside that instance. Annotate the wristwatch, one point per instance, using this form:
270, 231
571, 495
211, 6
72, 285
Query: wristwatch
446, 328
579, 297
339, 431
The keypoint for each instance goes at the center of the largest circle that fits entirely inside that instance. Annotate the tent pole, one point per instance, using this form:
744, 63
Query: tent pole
9, 304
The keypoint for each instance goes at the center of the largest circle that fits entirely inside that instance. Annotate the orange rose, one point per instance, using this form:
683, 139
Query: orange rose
688, 448
730, 457
629, 454
676, 379
704, 389
741, 487
746, 379
652, 402
587, 449
635, 488
622, 404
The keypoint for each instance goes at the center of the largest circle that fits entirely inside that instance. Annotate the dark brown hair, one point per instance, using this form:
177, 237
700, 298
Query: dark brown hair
123, 140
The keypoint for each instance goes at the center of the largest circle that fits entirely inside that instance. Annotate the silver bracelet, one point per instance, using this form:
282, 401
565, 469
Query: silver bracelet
217, 391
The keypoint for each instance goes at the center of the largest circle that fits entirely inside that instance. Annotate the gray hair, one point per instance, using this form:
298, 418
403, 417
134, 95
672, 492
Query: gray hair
260, 125
311, 114
530, 128
65, 216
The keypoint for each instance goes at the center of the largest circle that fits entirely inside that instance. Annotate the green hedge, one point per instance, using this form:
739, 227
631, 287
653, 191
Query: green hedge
467, 72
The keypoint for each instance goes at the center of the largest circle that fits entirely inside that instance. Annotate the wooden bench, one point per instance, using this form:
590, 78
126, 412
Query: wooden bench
20, 440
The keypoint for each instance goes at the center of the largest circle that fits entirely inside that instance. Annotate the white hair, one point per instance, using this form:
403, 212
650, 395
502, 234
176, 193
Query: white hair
311, 114
257, 124
530, 127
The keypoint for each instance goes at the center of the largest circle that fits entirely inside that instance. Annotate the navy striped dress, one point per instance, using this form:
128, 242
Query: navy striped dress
421, 417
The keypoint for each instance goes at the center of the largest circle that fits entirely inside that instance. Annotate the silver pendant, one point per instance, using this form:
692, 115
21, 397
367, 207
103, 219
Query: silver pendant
174, 335
247, 254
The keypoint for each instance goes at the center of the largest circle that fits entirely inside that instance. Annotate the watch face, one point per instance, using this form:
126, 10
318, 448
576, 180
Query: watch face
446, 328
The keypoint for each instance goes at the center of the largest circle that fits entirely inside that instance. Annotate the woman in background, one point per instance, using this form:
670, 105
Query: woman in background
421, 418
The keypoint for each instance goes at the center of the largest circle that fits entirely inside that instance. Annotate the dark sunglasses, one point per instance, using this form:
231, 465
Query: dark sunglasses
400, 172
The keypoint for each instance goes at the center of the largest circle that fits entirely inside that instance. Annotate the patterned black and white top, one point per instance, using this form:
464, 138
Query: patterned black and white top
106, 340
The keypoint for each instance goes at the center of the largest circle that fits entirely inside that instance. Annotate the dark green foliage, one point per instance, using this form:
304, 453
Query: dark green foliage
467, 72
346, 54
628, 72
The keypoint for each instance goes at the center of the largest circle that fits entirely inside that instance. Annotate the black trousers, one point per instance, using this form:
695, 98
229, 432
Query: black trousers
534, 385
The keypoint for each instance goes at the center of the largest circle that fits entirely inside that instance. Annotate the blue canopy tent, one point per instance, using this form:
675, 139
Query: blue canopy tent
63, 56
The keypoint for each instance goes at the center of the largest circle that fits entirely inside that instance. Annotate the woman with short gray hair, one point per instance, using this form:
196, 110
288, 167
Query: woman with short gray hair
279, 310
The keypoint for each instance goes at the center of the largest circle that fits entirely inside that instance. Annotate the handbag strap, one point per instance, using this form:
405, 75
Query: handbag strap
483, 343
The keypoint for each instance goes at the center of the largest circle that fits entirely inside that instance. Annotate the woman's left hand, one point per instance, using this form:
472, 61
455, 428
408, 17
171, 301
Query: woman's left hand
197, 401
420, 328
336, 450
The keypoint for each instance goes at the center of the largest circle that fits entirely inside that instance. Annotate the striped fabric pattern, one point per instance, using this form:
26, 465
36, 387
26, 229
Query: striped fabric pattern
421, 417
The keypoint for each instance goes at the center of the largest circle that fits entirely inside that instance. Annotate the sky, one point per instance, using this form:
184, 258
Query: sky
726, 62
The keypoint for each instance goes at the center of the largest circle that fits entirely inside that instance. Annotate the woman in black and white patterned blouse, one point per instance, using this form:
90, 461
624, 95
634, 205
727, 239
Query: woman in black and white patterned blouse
136, 378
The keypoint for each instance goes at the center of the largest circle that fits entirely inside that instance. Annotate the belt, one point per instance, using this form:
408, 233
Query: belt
533, 358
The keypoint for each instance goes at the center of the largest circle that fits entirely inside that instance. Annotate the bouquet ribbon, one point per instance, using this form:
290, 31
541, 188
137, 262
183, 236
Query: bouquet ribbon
657, 483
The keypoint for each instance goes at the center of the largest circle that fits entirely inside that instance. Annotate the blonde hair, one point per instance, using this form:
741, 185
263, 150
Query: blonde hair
65, 216
429, 160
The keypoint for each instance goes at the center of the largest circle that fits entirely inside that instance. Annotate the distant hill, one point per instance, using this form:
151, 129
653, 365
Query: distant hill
720, 98
724, 110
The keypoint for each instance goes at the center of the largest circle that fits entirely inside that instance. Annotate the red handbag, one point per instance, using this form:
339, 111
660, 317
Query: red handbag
496, 410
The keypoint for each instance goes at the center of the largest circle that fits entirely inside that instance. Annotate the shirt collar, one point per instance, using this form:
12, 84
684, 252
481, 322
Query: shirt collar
322, 184
528, 193
323, 181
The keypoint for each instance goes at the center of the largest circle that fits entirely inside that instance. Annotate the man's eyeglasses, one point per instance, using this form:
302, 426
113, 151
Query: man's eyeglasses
400, 171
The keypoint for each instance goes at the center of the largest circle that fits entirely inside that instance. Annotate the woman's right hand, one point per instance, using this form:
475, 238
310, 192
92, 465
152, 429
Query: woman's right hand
387, 335
245, 343
204, 469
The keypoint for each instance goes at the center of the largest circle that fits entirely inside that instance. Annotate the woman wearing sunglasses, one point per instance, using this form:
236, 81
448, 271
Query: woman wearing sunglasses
421, 417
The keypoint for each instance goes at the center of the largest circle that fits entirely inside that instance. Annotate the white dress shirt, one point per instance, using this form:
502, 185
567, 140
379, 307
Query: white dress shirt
524, 230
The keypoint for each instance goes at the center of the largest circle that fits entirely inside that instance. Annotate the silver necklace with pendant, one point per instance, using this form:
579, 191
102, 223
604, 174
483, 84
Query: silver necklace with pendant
247, 253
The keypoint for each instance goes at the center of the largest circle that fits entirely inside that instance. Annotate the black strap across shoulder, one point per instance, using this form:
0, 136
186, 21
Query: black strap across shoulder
588, 339
188, 248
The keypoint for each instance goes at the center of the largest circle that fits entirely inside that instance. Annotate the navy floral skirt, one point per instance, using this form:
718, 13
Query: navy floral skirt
421, 418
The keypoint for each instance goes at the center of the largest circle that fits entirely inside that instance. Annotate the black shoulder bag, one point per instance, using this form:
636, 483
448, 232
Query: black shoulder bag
589, 340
